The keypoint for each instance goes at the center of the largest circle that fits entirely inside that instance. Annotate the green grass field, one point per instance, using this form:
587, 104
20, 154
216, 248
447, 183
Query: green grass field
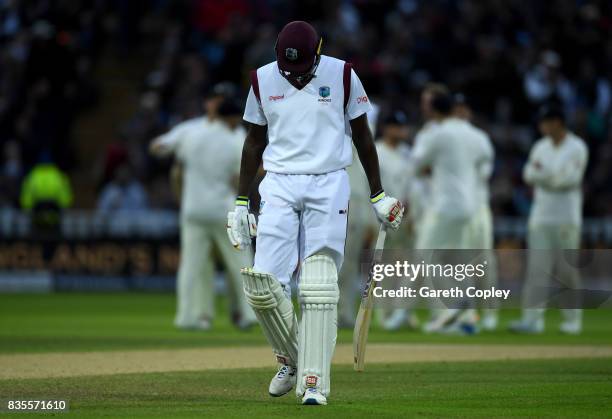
490, 389
101, 322
85, 322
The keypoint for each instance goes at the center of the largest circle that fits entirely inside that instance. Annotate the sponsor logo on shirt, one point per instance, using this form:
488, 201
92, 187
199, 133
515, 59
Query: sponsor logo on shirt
362, 99
324, 92
275, 98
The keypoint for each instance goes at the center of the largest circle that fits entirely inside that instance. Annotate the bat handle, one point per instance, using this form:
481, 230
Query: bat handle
380, 241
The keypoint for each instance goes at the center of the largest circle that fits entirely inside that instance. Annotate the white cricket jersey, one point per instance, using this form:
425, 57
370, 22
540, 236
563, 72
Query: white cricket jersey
308, 130
394, 170
556, 172
453, 160
210, 153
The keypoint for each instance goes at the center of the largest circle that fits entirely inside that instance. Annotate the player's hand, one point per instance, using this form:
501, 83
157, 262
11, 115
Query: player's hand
388, 210
241, 225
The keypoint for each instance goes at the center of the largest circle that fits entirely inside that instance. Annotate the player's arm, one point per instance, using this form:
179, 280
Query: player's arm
164, 145
569, 175
252, 151
485, 170
485, 162
535, 173
241, 225
364, 143
176, 180
156, 148
388, 210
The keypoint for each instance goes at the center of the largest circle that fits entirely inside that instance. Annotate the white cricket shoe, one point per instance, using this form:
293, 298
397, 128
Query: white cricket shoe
489, 321
283, 381
443, 318
399, 318
198, 325
525, 327
571, 327
312, 396
396, 320
246, 324
466, 323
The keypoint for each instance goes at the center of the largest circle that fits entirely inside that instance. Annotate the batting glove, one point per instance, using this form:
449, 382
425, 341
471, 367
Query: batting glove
241, 225
388, 210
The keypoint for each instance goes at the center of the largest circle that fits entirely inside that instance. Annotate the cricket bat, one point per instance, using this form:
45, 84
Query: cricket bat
364, 316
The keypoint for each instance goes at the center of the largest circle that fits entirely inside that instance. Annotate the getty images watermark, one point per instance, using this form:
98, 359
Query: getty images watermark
509, 278
412, 272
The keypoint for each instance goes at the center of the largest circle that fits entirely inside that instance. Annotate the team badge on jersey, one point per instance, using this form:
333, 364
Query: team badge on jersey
324, 92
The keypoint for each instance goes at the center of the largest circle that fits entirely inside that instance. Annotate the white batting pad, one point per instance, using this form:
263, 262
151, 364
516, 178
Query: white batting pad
318, 291
274, 312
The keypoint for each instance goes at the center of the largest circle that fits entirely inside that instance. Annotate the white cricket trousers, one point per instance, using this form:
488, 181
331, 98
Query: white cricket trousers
441, 232
543, 265
300, 215
480, 237
195, 285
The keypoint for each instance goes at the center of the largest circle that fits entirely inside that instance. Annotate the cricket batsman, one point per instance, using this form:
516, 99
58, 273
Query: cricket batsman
302, 110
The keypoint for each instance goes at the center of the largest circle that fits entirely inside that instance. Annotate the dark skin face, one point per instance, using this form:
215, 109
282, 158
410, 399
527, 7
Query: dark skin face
300, 80
256, 141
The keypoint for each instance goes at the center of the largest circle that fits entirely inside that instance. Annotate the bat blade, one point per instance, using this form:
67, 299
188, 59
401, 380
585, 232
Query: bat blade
360, 336
364, 316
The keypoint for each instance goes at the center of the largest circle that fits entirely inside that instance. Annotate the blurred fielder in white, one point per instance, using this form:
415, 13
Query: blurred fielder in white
555, 169
480, 234
303, 110
208, 149
452, 161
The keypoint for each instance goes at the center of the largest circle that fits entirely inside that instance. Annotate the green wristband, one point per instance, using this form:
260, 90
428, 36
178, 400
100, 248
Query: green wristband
242, 201
377, 197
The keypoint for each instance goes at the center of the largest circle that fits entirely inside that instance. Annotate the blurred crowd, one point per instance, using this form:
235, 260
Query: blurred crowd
506, 57
47, 54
